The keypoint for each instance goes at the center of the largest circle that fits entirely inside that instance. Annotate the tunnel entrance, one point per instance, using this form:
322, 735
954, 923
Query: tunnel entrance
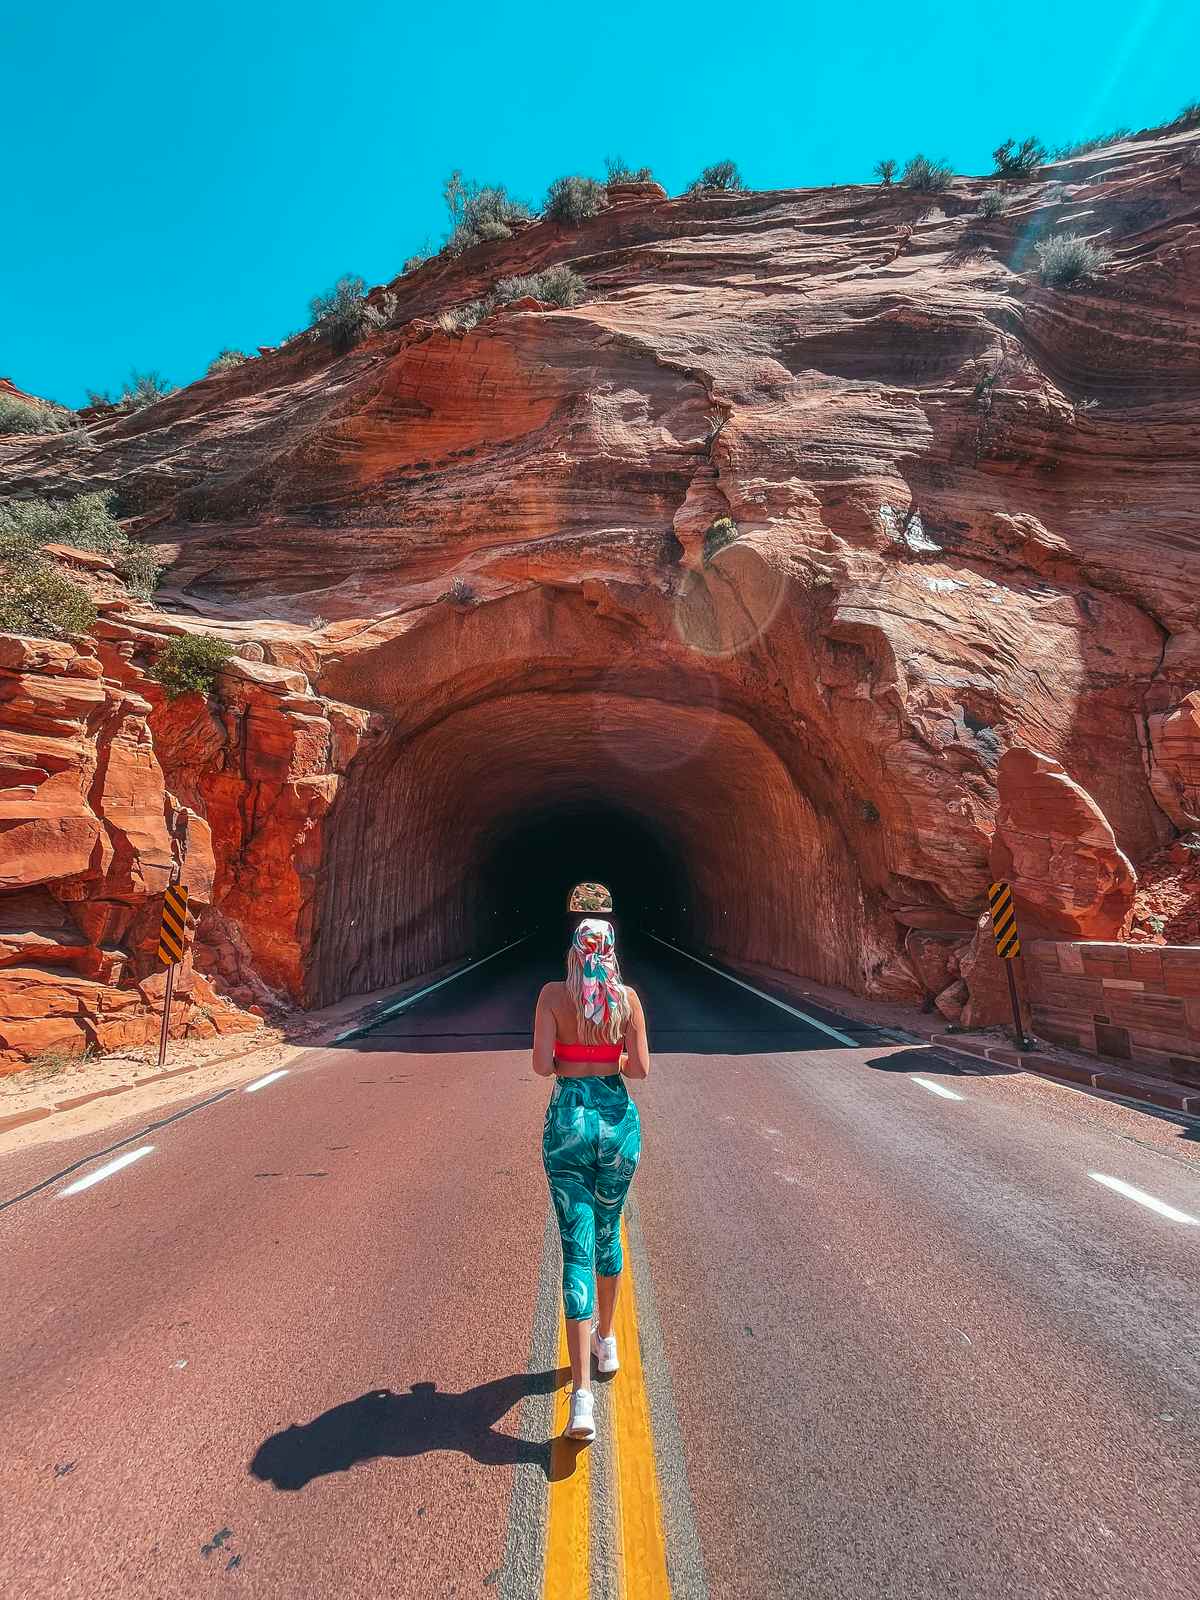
451, 840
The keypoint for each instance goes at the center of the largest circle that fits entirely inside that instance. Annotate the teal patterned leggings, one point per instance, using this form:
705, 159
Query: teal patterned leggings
590, 1149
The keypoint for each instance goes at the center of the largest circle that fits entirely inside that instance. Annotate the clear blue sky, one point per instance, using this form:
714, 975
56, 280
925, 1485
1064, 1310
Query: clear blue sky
185, 177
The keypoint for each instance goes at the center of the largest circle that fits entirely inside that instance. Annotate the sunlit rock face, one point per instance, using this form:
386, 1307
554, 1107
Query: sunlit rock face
956, 516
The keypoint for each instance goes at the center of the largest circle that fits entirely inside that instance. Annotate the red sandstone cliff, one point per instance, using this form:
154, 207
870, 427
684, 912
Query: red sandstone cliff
966, 523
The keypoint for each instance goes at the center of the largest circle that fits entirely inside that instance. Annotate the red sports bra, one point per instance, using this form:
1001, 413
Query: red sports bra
587, 1052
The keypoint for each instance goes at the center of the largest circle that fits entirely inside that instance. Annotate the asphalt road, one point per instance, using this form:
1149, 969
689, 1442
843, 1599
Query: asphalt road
891, 1343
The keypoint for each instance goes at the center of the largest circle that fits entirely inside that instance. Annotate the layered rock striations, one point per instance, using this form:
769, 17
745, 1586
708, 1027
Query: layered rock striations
815, 516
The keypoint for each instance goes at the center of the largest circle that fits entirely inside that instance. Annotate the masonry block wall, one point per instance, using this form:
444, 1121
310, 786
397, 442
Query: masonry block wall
1136, 1003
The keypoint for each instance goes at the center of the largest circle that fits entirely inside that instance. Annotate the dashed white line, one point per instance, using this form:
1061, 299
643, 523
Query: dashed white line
936, 1088
262, 1083
1142, 1198
813, 1022
107, 1171
411, 999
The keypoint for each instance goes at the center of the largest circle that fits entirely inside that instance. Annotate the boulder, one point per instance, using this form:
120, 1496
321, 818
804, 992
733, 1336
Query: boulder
1175, 765
1054, 845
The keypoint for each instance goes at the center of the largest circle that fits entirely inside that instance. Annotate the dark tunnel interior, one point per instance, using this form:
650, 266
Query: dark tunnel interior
454, 841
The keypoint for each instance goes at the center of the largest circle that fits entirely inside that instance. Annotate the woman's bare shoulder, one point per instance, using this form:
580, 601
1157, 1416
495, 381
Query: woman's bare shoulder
635, 998
553, 991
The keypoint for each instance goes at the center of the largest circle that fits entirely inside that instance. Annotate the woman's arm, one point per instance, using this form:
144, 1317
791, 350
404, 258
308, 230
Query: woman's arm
637, 1045
545, 1030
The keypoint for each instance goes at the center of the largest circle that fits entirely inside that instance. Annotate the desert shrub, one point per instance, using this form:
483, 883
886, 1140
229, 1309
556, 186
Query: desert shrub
50, 1063
722, 175
143, 389
479, 212
226, 361
190, 664
460, 593
341, 314
573, 200
461, 319
88, 523
723, 531
885, 171
927, 176
1067, 259
1083, 147
619, 171
417, 259
991, 204
36, 598
140, 570
1188, 116
559, 285
32, 416
1015, 160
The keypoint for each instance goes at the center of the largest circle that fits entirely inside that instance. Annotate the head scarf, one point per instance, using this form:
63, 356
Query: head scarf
594, 978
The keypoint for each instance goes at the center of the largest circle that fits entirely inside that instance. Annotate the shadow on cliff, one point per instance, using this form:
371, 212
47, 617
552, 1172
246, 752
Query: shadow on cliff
382, 1423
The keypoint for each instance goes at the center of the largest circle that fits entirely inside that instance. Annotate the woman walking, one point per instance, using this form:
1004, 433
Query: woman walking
591, 1142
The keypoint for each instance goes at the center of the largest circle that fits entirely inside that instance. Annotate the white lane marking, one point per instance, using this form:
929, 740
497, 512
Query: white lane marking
262, 1083
841, 1038
1142, 1198
411, 1000
107, 1171
936, 1088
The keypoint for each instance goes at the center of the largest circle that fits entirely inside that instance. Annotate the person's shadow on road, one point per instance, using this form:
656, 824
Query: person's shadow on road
381, 1423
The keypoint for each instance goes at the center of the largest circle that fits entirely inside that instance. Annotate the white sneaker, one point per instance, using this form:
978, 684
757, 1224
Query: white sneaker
582, 1423
605, 1351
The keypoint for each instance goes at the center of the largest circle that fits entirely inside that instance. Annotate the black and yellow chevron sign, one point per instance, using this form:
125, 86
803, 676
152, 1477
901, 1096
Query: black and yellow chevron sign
173, 933
1004, 921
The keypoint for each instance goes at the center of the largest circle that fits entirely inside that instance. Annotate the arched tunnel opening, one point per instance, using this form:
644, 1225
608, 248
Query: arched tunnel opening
453, 839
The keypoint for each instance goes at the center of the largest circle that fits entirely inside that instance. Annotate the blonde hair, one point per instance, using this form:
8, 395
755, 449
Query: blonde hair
593, 974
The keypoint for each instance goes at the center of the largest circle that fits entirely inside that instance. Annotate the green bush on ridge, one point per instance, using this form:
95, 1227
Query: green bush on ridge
479, 213
37, 594
191, 664
226, 361
1013, 160
38, 600
1067, 259
341, 314
559, 285
1083, 147
722, 175
141, 389
619, 171
573, 200
32, 416
927, 176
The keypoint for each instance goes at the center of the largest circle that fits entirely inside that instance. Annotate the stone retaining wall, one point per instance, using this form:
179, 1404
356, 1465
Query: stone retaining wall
1127, 1002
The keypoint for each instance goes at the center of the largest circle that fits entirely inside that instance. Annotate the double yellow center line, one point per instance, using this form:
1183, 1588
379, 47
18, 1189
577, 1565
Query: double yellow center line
641, 1545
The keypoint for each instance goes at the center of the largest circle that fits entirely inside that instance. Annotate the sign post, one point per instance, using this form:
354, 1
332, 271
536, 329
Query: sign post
172, 936
1008, 948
